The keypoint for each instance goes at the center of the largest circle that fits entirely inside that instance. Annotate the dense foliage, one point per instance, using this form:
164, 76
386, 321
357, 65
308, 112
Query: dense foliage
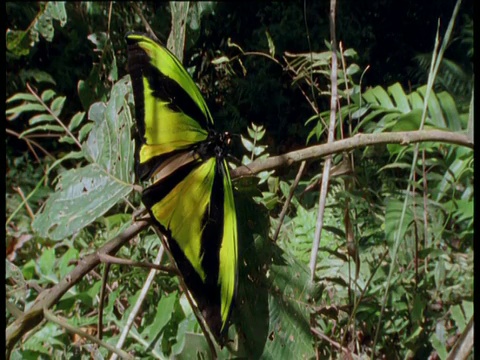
394, 272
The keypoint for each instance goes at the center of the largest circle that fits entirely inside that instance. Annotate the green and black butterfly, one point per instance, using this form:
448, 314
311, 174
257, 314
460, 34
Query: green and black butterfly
191, 199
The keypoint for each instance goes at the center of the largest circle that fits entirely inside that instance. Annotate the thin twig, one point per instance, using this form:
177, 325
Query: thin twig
39, 99
106, 270
331, 137
138, 305
144, 21
334, 344
16, 312
289, 199
30, 142
74, 330
24, 200
143, 264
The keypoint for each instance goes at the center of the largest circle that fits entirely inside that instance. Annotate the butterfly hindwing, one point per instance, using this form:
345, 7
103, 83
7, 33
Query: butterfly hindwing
191, 199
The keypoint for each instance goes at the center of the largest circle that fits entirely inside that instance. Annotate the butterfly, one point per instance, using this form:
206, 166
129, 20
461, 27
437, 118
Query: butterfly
191, 199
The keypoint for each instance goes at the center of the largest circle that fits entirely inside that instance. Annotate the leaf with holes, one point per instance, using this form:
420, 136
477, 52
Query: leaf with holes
83, 195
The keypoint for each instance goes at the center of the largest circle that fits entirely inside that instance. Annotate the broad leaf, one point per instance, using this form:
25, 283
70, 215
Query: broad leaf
83, 195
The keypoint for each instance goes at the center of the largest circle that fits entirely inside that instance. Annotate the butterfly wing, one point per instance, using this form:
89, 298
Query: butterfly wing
191, 199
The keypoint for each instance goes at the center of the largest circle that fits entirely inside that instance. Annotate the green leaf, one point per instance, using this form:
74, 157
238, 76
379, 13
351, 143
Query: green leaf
84, 131
41, 118
350, 53
449, 108
401, 100
56, 10
271, 45
21, 96
47, 95
247, 144
38, 75
393, 213
48, 334
18, 110
163, 314
83, 195
353, 69
17, 292
18, 42
379, 96
46, 263
289, 329
434, 110
57, 105
41, 128
76, 120
64, 266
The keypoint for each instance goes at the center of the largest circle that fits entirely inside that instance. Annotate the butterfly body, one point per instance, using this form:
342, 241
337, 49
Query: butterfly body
191, 199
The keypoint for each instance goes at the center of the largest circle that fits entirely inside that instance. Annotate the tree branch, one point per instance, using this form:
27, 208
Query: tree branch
50, 297
357, 141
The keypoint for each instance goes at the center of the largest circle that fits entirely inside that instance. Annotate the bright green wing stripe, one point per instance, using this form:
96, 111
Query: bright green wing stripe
183, 215
165, 129
169, 65
228, 252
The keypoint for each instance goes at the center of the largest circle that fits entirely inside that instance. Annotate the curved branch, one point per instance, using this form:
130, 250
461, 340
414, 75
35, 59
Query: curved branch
357, 141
